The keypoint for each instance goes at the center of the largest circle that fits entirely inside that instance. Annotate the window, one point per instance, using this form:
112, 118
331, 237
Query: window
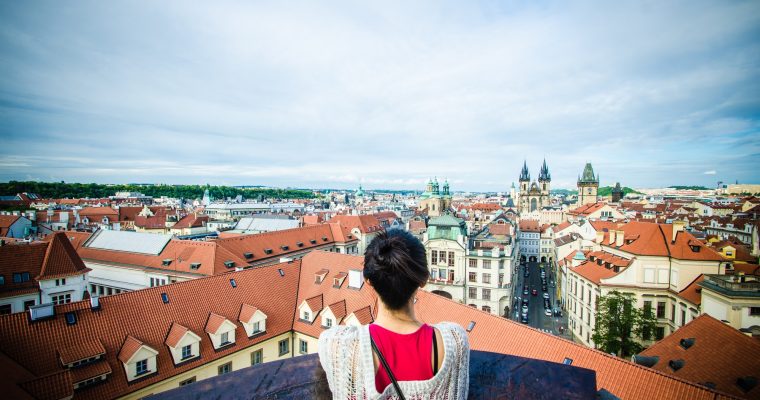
660, 309
16, 277
647, 308
473, 293
451, 259
303, 346
141, 367
754, 311
659, 332
225, 338
187, 352
257, 327
60, 282
487, 264
487, 309
5, 309
187, 381
473, 277
672, 313
442, 273
487, 278
257, 357
473, 263
284, 346
328, 322
434, 257
434, 273
225, 368
2, 280
306, 316
683, 317
61, 299
486, 294
28, 304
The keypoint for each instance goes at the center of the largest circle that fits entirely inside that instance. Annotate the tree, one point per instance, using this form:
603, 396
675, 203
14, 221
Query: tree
619, 324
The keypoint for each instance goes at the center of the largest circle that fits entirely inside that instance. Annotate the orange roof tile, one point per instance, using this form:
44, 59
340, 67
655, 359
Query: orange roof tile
315, 303
365, 223
338, 309
720, 354
129, 348
176, 333
86, 372
247, 312
214, 322
61, 259
693, 292
83, 349
55, 386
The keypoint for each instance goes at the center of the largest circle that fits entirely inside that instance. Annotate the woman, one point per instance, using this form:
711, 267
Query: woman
427, 362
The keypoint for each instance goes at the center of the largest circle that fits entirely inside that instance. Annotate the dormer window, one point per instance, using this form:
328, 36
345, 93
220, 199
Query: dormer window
695, 249
268, 251
248, 256
299, 244
195, 265
310, 308
183, 343
253, 320
284, 247
229, 264
221, 331
306, 316
138, 358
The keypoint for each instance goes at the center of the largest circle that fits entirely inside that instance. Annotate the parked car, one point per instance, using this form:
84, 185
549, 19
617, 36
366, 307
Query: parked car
546, 295
525, 308
525, 291
524, 319
548, 312
534, 292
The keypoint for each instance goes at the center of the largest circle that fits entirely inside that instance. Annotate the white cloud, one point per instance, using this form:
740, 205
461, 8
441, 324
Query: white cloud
711, 172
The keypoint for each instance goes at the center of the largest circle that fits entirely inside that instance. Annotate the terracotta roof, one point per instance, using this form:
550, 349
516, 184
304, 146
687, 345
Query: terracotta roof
693, 292
587, 209
338, 309
365, 223
55, 386
561, 226
99, 212
338, 264
529, 225
499, 229
84, 348
129, 348
143, 316
18, 258
315, 303
247, 312
214, 322
417, 226
61, 259
364, 315
311, 219
719, 354
593, 272
656, 240
176, 333
191, 221
90, 371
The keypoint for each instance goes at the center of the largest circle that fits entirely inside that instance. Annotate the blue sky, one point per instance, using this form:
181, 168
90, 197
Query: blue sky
387, 94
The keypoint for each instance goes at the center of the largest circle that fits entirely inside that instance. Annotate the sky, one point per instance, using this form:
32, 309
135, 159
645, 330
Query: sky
383, 94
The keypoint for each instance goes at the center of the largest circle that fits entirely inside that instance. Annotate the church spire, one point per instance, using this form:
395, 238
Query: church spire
524, 174
544, 174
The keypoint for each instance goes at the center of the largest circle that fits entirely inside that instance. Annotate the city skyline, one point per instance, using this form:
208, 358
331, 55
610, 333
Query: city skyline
386, 96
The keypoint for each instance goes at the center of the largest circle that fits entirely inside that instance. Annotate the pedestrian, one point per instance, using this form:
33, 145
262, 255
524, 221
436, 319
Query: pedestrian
397, 356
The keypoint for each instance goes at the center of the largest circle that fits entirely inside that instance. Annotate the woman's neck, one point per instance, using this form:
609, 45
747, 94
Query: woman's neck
399, 321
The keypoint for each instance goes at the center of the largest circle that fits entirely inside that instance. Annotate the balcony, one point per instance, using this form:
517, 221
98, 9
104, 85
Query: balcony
733, 285
492, 375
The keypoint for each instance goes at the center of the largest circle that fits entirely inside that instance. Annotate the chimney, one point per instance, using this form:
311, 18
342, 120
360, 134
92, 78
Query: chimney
619, 238
355, 280
677, 227
599, 237
612, 237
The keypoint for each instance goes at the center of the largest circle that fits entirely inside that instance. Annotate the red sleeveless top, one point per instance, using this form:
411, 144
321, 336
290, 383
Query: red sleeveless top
408, 355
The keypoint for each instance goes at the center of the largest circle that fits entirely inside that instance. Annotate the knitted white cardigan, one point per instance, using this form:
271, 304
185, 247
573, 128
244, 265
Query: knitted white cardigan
346, 356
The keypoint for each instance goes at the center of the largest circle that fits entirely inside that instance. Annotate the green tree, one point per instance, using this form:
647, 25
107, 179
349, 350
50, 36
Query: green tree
619, 324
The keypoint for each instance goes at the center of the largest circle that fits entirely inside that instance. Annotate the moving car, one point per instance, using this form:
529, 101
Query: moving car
534, 292
525, 291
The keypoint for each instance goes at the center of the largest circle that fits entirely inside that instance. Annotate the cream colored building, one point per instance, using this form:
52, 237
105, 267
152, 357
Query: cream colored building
732, 298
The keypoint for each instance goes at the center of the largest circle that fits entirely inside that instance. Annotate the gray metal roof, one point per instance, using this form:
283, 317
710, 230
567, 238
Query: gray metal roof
132, 242
265, 224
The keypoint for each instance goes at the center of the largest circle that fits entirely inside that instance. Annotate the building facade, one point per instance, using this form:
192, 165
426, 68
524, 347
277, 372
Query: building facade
534, 195
588, 186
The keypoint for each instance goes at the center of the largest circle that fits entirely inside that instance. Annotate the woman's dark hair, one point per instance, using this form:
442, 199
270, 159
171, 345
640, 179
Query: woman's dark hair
396, 265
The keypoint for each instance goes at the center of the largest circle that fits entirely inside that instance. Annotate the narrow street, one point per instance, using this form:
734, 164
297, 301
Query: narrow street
536, 306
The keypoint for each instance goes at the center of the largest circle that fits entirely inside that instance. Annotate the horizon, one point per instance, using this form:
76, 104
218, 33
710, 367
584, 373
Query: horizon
315, 95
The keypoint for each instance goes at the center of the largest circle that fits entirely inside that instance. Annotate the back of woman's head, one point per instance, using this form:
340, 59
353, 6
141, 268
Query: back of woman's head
396, 265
